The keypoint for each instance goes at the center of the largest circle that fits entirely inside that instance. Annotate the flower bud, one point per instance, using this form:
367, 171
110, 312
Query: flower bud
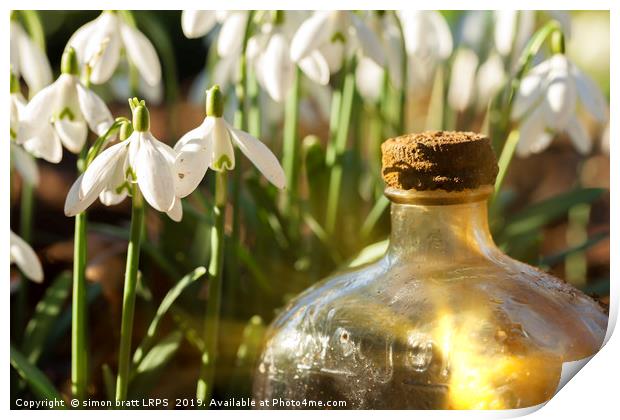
125, 131
69, 62
557, 42
141, 118
215, 102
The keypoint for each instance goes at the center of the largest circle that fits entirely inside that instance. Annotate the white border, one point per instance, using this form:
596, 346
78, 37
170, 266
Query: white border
592, 395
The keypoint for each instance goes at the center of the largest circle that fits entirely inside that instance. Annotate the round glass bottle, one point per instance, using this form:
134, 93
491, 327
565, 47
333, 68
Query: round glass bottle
444, 320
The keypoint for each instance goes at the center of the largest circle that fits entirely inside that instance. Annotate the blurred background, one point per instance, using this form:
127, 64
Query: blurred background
274, 261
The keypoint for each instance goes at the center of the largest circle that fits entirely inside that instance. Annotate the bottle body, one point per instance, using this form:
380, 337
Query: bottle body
444, 320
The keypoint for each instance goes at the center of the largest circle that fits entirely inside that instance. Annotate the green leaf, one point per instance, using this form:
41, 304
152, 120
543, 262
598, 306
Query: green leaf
247, 354
370, 254
540, 214
45, 315
109, 382
38, 382
165, 305
153, 363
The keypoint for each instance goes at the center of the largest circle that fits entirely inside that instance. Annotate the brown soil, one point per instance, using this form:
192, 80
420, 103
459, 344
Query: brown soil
447, 160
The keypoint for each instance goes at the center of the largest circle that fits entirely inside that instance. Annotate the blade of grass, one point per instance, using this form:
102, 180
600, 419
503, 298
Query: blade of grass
38, 382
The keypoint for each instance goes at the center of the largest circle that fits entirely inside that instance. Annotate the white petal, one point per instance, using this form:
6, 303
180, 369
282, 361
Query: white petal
260, 156
197, 23
25, 258
368, 41
104, 168
394, 55
33, 64
103, 48
561, 96
368, 79
590, 94
314, 32
277, 68
80, 39
579, 135
72, 134
489, 79
462, 79
334, 54
226, 71
533, 137
25, 164
528, 96
45, 144
315, 67
176, 212
194, 157
36, 115
141, 53
14, 33
505, 28
442, 33
230, 39
154, 173
111, 197
17, 103
94, 110
222, 153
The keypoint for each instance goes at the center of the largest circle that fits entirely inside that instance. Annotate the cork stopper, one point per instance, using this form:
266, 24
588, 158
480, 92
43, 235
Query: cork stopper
438, 160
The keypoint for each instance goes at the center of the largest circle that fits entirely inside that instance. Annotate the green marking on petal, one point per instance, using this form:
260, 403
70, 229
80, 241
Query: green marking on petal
66, 113
338, 37
223, 163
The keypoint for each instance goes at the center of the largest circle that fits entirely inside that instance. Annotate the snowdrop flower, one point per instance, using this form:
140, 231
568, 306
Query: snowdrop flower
21, 160
428, 41
269, 53
28, 60
489, 79
141, 159
513, 28
198, 23
546, 103
210, 145
461, 92
61, 114
368, 74
98, 45
25, 258
335, 35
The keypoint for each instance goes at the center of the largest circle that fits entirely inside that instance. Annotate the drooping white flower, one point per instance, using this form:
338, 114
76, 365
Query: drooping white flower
461, 92
197, 23
98, 45
513, 29
25, 258
268, 52
368, 74
490, 77
546, 103
61, 114
335, 35
141, 159
28, 60
210, 145
428, 42
21, 160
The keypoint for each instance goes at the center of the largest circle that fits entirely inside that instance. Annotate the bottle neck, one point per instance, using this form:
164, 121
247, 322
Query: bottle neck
440, 225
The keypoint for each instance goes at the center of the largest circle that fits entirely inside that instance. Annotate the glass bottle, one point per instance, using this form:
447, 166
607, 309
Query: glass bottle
444, 320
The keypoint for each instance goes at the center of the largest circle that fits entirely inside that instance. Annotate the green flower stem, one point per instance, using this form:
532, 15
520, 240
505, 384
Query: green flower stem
254, 113
291, 151
129, 294
504, 160
204, 386
79, 314
79, 348
241, 122
25, 230
339, 146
